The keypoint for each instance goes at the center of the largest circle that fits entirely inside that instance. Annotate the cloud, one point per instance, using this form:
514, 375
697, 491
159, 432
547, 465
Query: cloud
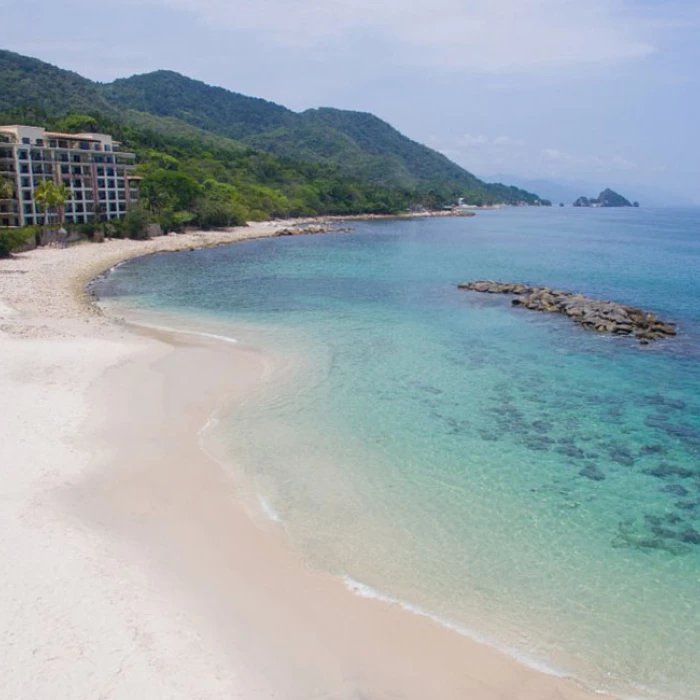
486, 36
615, 162
469, 140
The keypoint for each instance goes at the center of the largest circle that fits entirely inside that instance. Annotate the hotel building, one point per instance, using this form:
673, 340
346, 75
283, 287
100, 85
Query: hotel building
99, 175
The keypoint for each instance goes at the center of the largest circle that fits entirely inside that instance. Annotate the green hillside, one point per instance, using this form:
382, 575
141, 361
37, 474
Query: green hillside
38, 87
169, 94
358, 144
214, 157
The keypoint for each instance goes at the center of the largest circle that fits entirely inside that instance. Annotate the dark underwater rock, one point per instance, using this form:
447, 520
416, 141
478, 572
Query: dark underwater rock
675, 489
622, 455
690, 536
665, 471
592, 472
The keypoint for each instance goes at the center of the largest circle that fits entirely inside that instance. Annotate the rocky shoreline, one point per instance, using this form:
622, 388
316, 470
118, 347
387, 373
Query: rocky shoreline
311, 230
593, 314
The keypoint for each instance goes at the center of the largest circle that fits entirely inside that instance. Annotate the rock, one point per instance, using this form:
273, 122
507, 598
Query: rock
622, 455
313, 229
690, 536
675, 489
664, 471
602, 316
592, 472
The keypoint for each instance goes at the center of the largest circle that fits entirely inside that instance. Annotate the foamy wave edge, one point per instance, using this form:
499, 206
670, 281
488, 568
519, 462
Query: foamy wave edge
180, 331
364, 591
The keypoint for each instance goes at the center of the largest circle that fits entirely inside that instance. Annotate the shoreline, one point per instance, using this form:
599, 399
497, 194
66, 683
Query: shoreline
254, 620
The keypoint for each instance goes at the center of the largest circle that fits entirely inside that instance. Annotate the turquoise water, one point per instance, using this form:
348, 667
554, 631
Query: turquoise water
531, 483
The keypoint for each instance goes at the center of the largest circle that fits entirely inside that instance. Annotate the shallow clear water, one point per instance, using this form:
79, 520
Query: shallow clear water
528, 481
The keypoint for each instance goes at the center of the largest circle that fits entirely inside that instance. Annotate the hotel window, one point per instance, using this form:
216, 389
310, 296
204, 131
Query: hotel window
101, 184
26, 140
22, 155
52, 143
79, 208
27, 208
100, 171
65, 170
112, 195
27, 194
26, 182
24, 168
110, 183
112, 206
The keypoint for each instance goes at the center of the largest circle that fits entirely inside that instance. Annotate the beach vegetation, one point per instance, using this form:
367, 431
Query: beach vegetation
13, 238
135, 224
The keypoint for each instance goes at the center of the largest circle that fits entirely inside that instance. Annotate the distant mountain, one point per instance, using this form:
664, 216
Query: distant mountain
355, 145
607, 198
566, 191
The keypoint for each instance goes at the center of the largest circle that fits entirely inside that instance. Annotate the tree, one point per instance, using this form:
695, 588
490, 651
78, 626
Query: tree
43, 196
7, 189
62, 194
48, 195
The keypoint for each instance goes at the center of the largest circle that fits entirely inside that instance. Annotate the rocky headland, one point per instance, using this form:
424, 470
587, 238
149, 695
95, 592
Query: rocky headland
593, 314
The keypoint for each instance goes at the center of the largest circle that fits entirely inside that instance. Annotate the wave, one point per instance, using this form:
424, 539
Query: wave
365, 591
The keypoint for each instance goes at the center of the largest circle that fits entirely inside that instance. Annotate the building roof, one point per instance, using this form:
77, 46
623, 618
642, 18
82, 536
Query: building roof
75, 137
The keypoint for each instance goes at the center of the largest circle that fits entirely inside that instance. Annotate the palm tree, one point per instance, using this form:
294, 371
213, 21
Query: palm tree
48, 195
44, 196
62, 194
7, 189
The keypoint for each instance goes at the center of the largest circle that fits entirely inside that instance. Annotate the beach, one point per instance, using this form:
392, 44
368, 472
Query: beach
131, 567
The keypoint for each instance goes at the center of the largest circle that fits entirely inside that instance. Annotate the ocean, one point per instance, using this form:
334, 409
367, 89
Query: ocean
508, 473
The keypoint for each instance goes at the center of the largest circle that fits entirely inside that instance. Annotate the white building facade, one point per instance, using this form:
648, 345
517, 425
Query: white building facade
100, 175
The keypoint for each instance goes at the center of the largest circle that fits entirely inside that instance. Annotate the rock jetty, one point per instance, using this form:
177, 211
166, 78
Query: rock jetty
310, 230
601, 316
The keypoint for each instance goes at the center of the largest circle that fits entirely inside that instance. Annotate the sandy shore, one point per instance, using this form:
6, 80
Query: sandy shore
130, 569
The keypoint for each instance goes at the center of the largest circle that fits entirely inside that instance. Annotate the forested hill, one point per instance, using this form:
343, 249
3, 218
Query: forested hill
318, 161
169, 94
359, 144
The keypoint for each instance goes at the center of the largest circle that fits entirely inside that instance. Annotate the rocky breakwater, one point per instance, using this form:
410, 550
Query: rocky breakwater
601, 316
310, 230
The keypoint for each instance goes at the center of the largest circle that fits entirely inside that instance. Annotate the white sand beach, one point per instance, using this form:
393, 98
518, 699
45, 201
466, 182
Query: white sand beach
130, 567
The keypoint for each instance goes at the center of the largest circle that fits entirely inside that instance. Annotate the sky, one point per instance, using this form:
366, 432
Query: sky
602, 91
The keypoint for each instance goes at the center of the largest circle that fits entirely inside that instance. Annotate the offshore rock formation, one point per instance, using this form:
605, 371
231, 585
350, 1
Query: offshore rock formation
607, 198
602, 316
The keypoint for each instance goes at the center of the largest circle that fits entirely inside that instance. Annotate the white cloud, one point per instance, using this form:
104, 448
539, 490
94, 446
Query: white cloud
615, 162
469, 140
491, 36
